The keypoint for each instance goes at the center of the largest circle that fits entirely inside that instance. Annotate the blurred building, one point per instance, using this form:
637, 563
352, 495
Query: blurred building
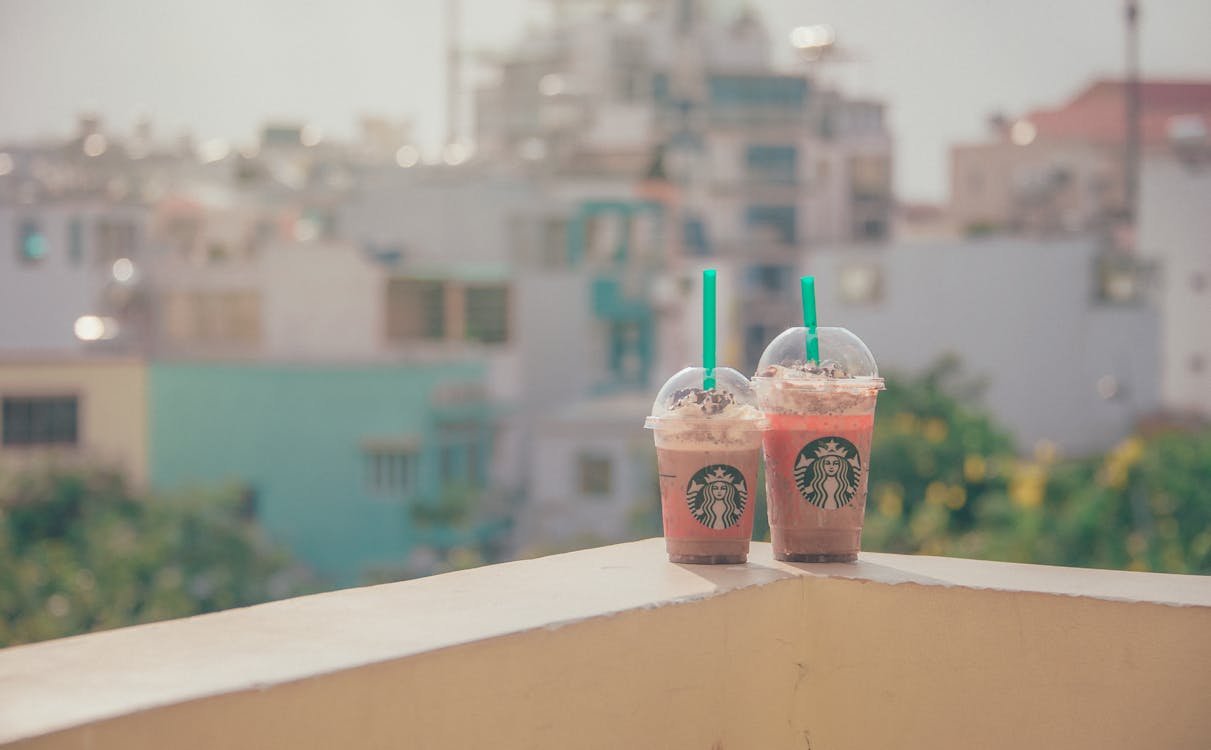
353, 466
539, 287
664, 141
1066, 341
196, 318
69, 410
1061, 170
1174, 227
593, 474
683, 103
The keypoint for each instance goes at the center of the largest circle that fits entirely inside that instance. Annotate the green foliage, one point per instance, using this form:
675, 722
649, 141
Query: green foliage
453, 508
80, 552
465, 526
945, 480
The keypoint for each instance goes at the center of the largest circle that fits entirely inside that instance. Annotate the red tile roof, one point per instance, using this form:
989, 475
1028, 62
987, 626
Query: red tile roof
1096, 115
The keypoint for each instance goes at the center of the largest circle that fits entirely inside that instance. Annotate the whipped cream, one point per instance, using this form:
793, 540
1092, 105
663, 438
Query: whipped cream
695, 403
806, 371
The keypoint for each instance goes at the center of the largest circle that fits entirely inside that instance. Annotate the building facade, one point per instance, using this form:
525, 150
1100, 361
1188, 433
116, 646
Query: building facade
1067, 348
1174, 226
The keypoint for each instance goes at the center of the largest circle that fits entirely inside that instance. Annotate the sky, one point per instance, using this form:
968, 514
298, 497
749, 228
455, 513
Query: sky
221, 68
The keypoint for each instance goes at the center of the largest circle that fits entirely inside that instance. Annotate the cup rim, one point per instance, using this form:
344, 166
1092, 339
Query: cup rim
752, 423
856, 383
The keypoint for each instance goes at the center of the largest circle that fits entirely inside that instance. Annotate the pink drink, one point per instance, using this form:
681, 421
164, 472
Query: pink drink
817, 447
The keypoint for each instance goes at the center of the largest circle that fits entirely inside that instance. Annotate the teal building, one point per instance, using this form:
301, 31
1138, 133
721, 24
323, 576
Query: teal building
338, 458
624, 311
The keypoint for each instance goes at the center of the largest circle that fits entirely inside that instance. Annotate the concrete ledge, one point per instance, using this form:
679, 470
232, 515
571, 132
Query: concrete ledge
615, 647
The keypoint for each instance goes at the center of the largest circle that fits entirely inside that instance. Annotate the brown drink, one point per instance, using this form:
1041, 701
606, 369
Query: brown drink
708, 451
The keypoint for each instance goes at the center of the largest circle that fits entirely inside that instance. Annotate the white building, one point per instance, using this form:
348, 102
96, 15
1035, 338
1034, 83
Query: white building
64, 259
1175, 231
1067, 342
592, 476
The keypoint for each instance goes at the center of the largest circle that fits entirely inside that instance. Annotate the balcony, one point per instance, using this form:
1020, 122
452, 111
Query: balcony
615, 647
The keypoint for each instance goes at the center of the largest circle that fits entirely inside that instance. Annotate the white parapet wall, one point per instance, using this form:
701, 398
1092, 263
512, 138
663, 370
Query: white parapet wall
615, 647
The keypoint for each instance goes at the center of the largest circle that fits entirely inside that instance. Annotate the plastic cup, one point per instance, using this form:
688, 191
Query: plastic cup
708, 451
817, 446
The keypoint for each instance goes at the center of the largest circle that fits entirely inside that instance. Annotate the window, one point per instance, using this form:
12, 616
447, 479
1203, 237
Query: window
449, 461
769, 278
115, 239
40, 421
596, 474
772, 163
758, 91
1120, 279
487, 313
31, 242
75, 242
416, 310
554, 243
870, 176
694, 235
474, 464
630, 61
460, 455
778, 222
755, 340
870, 229
213, 317
390, 472
861, 283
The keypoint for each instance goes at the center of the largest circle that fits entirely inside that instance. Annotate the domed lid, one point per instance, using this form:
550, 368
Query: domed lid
683, 397
844, 361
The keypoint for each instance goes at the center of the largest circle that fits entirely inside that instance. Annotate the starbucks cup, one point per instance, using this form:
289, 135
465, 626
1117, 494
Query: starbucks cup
817, 446
708, 449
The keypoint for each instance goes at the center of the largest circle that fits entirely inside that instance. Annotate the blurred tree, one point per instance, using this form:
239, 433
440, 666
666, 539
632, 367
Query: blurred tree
946, 481
80, 552
935, 458
465, 526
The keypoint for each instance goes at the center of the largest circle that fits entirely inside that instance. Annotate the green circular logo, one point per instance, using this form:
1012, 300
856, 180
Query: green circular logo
827, 472
716, 496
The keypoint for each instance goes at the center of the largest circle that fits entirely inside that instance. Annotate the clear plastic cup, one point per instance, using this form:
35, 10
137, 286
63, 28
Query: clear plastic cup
817, 446
708, 451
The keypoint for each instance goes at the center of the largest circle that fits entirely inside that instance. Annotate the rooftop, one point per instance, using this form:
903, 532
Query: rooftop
1096, 114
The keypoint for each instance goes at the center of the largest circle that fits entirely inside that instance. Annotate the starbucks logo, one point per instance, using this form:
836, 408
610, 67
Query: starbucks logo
716, 496
827, 472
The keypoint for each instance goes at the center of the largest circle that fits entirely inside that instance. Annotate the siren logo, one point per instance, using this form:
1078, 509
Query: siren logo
827, 472
716, 496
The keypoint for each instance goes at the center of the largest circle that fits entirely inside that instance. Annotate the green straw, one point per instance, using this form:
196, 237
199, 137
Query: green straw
708, 328
808, 286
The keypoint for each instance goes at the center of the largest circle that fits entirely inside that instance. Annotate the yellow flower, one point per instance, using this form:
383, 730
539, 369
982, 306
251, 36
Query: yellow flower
1130, 450
956, 498
1119, 462
935, 430
1027, 486
975, 468
890, 500
1136, 543
1200, 546
933, 547
935, 493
